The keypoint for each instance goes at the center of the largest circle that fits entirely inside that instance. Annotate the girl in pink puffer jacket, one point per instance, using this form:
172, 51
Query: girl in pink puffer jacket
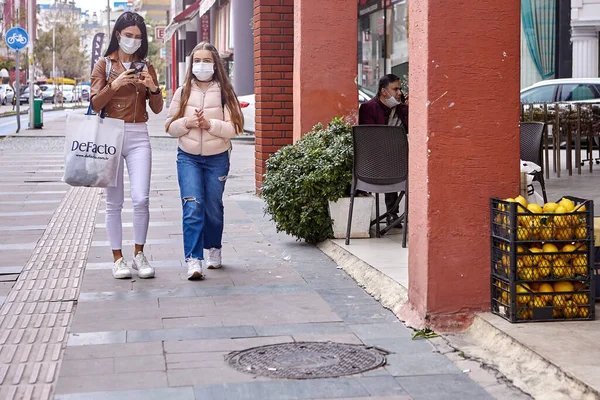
204, 114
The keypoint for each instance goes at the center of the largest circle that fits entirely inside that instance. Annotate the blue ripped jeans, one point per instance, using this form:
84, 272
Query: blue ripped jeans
201, 184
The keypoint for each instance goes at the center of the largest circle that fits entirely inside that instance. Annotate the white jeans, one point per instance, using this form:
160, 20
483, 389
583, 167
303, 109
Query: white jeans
138, 155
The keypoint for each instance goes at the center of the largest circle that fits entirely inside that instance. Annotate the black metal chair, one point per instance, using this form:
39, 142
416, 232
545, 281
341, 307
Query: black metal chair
380, 166
532, 136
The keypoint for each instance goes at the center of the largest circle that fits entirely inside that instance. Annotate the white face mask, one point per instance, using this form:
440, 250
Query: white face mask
203, 71
129, 45
391, 102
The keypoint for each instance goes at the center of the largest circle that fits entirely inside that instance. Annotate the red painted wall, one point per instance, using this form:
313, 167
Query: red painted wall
273, 65
464, 149
325, 62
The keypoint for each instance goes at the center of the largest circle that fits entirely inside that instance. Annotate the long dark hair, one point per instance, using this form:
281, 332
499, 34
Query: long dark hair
220, 76
126, 20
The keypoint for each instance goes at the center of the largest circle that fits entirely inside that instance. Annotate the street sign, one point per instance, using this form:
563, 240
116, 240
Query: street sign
159, 32
17, 38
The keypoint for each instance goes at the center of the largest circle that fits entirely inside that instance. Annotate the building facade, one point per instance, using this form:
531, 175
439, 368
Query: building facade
382, 41
225, 23
585, 23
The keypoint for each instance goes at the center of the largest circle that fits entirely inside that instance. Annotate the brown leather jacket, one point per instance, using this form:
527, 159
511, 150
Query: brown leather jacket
129, 102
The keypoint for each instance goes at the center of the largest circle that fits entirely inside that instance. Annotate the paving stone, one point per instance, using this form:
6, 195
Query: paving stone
222, 374
130, 296
382, 386
113, 350
191, 346
380, 330
319, 337
99, 366
442, 387
283, 390
122, 324
212, 359
216, 332
191, 322
420, 364
402, 345
181, 393
92, 338
140, 363
122, 381
367, 315
293, 329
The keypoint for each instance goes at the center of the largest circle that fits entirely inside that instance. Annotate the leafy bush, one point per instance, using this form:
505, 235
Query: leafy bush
302, 178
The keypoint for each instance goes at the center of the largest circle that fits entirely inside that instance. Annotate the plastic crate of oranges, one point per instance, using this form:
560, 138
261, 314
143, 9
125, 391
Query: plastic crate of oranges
542, 260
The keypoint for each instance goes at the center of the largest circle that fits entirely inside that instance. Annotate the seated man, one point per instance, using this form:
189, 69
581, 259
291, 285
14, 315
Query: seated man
388, 107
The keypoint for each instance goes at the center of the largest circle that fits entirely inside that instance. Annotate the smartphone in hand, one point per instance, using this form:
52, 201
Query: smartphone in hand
138, 66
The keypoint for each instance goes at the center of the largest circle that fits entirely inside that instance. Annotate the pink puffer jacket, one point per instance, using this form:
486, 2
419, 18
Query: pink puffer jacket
198, 141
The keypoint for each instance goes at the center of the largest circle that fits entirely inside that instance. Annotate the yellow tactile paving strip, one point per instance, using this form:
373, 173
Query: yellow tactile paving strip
35, 317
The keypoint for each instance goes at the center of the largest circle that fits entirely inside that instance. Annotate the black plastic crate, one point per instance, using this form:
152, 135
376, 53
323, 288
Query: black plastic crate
512, 222
541, 262
521, 303
530, 249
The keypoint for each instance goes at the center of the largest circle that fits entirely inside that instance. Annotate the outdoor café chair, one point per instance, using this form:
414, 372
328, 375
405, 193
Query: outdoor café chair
532, 136
380, 166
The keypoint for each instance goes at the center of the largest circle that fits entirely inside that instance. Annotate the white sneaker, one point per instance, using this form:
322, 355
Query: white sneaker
194, 268
214, 259
141, 265
121, 270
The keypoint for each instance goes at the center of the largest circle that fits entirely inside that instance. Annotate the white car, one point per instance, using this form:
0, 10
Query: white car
570, 90
6, 94
68, 93
248, 110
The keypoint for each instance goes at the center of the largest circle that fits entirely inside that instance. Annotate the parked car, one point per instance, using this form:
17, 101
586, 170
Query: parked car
68, 92
248, 110
50, 93
571, 90
37, 94
6, 94
248, 105
85, 93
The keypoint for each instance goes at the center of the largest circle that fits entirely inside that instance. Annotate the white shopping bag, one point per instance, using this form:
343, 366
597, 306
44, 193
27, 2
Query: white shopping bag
93, 148
533, 196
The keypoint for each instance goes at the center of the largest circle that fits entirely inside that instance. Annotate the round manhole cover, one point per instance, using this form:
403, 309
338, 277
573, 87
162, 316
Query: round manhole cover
307, 360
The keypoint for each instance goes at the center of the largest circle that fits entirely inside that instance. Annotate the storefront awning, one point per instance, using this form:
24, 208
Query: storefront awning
196, 10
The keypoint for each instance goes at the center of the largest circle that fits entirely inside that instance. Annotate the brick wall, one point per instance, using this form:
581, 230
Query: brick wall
273, 66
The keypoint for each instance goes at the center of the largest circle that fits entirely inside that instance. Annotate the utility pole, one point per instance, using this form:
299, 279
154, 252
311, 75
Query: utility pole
30, 13
18, 76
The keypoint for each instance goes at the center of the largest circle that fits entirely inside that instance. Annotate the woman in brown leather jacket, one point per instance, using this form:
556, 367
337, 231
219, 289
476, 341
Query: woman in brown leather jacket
122, 83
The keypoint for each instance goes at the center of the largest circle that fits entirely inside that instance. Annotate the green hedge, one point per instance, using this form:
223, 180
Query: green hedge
301, 178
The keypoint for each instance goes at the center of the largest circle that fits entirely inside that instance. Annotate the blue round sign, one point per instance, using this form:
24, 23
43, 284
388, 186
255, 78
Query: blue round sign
16, 38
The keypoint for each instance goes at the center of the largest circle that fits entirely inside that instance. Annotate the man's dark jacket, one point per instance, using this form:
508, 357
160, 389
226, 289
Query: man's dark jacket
373, 112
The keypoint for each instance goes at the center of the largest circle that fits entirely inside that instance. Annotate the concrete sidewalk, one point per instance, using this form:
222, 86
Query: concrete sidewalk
68, 330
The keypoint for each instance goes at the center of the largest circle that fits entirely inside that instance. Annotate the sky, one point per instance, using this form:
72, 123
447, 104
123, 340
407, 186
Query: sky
92, 5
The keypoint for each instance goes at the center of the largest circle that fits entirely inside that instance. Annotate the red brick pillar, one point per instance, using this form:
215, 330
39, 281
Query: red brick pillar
464, 149
325, 62
273, 66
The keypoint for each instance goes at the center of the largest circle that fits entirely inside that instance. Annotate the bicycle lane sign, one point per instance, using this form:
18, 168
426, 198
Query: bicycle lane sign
16, 38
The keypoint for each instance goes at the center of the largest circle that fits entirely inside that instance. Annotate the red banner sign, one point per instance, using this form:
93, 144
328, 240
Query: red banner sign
205, 28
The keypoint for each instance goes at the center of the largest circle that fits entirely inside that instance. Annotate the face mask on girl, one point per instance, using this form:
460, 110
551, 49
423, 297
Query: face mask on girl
203, 71
129, 45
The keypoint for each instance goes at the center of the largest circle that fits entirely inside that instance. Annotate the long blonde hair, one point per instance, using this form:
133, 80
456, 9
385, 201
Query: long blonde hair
227, 94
